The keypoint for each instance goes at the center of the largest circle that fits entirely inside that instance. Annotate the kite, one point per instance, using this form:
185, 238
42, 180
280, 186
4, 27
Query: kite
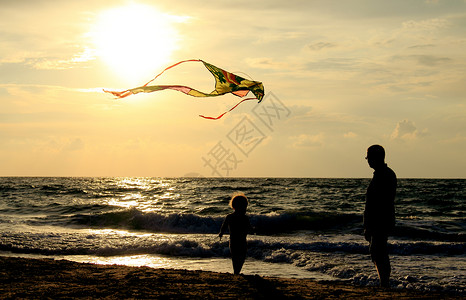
225, 82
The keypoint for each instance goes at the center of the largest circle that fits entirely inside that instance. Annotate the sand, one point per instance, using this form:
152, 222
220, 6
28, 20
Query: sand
47, 278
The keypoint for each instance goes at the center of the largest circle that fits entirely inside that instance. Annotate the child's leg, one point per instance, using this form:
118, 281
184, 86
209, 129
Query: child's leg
238, 261
238, 256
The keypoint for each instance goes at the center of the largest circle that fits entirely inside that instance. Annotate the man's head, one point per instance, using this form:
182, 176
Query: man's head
375, 156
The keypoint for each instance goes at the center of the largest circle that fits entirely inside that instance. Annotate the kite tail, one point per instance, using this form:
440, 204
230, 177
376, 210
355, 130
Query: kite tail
122, 94
216, 118
127, 93
167, 68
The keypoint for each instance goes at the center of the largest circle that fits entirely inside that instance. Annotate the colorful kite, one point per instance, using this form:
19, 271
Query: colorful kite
225, 82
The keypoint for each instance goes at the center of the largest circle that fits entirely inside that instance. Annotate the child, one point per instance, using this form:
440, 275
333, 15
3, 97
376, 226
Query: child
238, 226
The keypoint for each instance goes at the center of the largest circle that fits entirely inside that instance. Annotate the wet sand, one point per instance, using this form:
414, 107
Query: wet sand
47, 278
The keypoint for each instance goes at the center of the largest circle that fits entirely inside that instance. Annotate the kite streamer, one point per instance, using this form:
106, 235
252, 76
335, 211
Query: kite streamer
225, 82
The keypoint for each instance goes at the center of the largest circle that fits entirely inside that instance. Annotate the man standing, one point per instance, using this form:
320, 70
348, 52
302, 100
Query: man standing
379, 212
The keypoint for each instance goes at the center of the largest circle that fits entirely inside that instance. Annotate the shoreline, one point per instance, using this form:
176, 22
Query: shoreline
49, 278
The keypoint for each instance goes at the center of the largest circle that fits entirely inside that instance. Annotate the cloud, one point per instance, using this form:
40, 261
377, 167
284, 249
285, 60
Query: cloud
267, 63
431, 60
458, 140
350, 135
301, 111
61, 64
28, 91
428, 25
335, 63
320, 45
268, 37
46, 35
406, 130
425, 60
74, 145
308, 141
422, 46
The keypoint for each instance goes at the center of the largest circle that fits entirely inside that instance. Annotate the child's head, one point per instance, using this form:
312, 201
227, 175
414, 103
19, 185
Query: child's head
239, 202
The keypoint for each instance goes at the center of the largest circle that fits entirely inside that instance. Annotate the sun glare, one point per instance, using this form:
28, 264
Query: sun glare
136, 41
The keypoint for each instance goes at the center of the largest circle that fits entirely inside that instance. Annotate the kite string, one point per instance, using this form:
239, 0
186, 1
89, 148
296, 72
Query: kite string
167, 68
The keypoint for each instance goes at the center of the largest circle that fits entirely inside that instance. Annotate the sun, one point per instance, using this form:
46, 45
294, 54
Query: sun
135, 40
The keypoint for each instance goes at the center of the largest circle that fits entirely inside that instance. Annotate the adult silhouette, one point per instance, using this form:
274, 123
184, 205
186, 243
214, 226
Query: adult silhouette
379, 212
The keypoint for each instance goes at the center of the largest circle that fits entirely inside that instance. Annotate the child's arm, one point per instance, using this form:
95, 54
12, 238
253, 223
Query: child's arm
224, 227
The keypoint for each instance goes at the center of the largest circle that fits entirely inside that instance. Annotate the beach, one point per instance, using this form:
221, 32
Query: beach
304, 228
48, 278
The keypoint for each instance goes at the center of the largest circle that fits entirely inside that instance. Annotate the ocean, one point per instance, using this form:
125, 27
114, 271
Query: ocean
304, 227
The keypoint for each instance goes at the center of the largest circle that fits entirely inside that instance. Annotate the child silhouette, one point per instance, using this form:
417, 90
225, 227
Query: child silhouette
238, 226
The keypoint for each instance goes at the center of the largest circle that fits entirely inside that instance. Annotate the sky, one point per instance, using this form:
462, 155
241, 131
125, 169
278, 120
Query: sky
339, 76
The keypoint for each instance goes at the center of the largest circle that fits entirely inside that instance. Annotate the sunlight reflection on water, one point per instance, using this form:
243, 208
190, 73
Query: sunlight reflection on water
222, 265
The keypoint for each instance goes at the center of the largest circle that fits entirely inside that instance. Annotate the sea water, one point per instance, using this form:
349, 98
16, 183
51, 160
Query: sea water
304, 227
